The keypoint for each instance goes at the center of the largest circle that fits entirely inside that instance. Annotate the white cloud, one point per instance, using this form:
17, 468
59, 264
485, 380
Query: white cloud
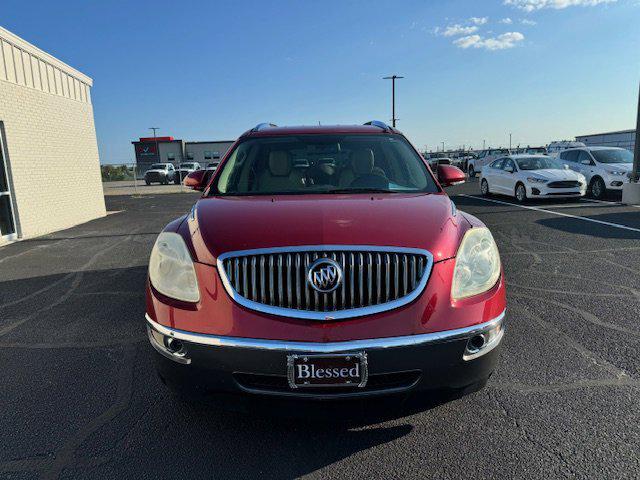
526, 21
506, 21
469, 41
532, 5
501, 42
454, 30
479, 20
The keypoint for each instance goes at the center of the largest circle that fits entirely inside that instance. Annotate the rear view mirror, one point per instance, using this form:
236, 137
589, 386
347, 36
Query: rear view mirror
195, 180
449, 175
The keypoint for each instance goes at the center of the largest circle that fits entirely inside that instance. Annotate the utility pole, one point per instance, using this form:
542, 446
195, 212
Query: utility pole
484, 144
393, 97
509, 140
443, 146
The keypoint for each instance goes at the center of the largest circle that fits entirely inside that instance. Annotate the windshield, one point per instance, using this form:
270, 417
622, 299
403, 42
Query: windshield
324, 164
614, 155
187, 165
158, 166
538, 163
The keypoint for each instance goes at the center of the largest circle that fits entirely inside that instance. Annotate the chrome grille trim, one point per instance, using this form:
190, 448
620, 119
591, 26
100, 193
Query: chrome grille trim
362, 264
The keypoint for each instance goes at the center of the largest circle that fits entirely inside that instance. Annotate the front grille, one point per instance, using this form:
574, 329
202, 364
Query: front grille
564, 184
373, 279
154, 176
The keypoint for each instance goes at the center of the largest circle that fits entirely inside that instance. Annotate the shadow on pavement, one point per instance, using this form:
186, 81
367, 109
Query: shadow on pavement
575, 225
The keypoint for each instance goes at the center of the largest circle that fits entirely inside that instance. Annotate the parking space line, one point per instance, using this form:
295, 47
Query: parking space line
527, 207
620, 204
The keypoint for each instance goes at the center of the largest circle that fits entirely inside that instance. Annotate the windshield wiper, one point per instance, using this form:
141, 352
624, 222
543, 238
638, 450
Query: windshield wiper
359, 190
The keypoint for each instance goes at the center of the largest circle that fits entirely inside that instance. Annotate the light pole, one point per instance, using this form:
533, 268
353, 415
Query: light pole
635, 173
393, 97
484, 144
155, 140
631, 190
443, 146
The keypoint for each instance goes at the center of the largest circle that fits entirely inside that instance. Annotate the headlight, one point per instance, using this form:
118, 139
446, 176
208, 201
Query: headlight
536, 180
171, 269
615, 172
477, 264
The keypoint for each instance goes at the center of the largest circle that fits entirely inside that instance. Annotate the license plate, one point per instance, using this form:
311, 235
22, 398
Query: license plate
335, 370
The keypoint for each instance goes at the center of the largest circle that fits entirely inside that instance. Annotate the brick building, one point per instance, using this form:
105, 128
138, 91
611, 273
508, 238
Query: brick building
49, 165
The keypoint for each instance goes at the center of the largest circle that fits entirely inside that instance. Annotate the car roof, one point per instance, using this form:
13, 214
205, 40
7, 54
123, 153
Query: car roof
528, 155
318, 130
604, 148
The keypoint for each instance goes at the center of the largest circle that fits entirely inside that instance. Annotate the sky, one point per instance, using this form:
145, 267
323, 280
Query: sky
474, 71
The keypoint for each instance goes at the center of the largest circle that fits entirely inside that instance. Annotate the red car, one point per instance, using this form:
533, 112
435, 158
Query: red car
325, 262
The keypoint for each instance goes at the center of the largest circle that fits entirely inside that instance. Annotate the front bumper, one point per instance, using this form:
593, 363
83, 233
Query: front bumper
543, 191
207, 364
615, 182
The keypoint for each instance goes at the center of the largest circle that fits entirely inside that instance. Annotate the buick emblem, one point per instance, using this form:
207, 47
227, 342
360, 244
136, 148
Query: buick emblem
325, 275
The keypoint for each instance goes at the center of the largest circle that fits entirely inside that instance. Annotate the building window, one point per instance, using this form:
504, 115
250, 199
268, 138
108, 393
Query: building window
171, 157
208, 155
7, 224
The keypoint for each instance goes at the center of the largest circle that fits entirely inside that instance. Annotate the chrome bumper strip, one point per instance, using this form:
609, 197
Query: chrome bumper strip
329, 347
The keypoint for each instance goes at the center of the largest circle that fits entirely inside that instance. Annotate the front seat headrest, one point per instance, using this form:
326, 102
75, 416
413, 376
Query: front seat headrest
362, 161
279, 163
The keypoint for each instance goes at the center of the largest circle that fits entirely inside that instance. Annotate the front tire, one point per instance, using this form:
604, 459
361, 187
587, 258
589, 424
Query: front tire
597, 188
521, 193
484, 188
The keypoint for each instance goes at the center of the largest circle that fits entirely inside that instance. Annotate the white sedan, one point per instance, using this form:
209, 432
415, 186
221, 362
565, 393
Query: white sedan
531, 176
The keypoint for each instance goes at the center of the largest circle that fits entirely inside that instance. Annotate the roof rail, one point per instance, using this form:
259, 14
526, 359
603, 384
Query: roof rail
379, 124
262, 126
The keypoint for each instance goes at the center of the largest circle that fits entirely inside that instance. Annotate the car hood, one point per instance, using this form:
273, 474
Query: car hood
223, 224
623, 167
156, 171
553, 174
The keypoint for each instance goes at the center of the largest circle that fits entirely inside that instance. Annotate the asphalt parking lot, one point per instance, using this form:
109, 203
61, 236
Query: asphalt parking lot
81, 400
129, 187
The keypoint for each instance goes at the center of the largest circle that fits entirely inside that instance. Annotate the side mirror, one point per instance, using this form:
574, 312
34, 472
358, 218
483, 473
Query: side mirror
566, 167
449, 175
195, 180
585, 162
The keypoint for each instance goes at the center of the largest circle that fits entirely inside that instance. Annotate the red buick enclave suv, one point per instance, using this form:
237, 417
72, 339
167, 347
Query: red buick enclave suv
325, 262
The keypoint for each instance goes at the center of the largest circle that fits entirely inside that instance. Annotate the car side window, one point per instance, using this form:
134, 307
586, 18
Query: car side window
497, 164
509, 163
570, 155
584, 158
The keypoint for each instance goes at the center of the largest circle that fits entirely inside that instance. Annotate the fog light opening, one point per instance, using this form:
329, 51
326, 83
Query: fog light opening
174, 345
476, 343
